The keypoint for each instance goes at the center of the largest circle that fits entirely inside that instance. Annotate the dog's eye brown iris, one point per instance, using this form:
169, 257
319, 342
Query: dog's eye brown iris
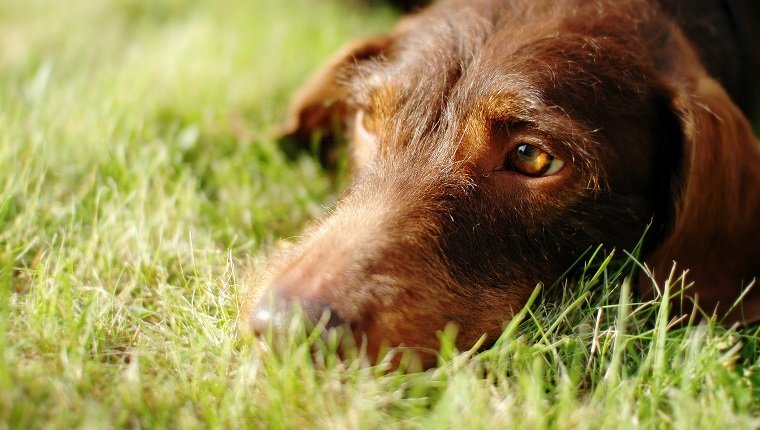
532, 161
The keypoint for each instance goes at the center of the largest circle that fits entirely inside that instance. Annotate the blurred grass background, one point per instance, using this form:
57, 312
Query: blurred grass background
138, 174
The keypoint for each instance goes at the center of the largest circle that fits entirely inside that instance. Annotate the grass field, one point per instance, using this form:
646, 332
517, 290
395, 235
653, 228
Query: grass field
138, 177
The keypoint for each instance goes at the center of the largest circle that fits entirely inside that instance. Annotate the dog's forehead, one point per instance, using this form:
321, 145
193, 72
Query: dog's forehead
450, 61
438, 49
454, 58
449, 76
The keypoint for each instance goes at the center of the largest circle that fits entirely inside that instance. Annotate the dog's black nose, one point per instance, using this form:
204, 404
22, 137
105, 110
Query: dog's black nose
275, 312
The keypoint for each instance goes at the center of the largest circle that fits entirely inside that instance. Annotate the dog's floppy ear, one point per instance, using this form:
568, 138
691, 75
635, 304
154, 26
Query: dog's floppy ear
716, 228
320, 108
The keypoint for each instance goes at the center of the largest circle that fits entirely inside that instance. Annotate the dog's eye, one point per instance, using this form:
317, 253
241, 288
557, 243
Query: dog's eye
532, 161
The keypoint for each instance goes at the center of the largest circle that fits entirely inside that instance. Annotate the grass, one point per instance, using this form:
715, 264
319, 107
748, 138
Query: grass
139, 176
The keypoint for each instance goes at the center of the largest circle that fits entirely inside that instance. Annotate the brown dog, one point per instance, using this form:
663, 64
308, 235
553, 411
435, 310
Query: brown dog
494, 141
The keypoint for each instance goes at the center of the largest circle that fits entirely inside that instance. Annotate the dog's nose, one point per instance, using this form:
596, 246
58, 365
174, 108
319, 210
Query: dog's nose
275, 312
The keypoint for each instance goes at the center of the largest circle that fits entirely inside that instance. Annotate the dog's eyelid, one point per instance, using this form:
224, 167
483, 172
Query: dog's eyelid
521, 133
512, 133
509, 131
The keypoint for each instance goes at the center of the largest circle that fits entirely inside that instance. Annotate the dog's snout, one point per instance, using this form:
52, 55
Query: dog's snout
271, 312
274, 312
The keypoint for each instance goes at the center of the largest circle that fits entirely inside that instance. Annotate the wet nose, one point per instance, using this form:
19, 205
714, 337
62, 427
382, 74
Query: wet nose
275, 311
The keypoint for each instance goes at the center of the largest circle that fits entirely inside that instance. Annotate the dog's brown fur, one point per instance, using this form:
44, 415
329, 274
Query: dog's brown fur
433, 230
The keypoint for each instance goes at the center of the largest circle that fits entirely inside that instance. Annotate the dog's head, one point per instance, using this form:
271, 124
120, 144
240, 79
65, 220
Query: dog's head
493, 143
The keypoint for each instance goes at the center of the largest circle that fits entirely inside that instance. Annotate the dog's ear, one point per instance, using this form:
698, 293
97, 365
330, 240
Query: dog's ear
715, 232
319, 110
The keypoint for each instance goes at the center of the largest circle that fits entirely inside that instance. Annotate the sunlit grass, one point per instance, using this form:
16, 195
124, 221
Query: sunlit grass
139, 174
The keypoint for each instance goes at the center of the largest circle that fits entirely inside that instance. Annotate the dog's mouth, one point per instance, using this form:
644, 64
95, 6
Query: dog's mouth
278, 322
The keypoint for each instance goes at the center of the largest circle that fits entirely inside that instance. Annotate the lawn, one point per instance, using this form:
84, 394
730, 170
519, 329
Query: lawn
140, 177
